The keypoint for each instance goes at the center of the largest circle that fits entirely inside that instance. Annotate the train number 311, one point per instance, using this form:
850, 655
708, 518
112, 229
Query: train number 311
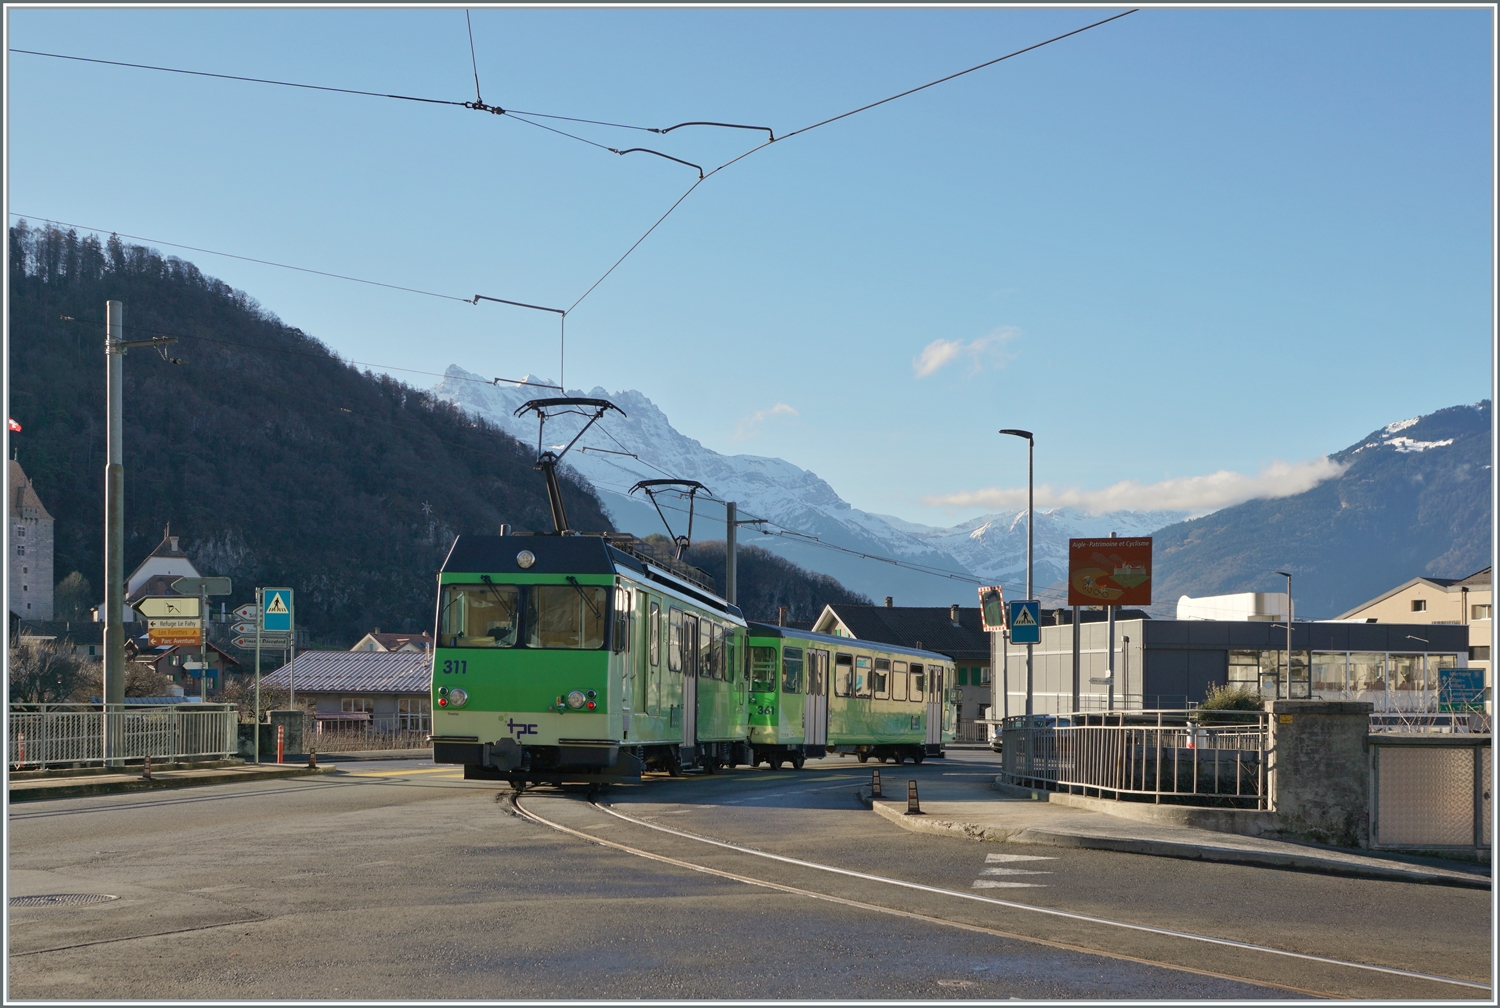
458, 667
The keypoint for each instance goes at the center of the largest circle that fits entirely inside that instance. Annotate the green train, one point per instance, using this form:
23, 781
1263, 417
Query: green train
566, 658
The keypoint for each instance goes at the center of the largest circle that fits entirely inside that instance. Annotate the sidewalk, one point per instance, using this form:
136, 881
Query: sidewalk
375, 754
65, 785
983, 812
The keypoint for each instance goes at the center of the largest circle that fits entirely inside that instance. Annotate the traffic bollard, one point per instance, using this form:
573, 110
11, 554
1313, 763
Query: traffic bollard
875, 784
312, 759
280, 743
913, 807
22, 742
146, 773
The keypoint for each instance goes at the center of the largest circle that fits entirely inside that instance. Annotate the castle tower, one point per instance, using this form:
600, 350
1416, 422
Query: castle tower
29, 552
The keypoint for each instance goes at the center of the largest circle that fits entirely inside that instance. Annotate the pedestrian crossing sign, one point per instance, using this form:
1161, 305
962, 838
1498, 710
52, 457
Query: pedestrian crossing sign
276, 610
1026, 622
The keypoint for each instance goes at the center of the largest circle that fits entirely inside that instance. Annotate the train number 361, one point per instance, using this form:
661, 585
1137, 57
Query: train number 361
458, 667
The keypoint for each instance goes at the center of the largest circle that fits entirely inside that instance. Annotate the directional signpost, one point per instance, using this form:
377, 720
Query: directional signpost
202, 587
273, 615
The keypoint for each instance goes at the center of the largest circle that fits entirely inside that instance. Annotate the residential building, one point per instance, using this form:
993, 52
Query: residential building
155, 574
377, 641
85, 639
362, 690
184, 663
955, 631
1170, 664
29, 538
1443, 602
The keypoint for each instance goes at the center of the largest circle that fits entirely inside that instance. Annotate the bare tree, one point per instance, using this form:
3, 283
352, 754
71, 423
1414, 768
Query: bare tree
44, 671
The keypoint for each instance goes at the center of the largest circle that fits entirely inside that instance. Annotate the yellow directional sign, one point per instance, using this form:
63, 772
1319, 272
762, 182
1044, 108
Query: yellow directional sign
176, 637
168, 607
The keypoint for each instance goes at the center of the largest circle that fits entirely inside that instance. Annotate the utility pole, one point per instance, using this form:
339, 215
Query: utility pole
1288, 634
114, 530
259, 620
731, 565
1109, 671
1030, 535
115, 346
203, 615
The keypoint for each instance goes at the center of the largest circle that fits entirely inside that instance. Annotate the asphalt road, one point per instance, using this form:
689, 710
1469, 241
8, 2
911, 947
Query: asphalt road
401, 880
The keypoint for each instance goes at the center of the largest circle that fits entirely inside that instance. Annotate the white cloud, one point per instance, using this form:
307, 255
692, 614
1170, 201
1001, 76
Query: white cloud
1195, 494
748, 426
987, 350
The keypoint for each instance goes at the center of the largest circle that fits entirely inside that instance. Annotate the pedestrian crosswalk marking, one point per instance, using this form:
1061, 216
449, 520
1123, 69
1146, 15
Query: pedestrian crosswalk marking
1012, 871
994, 883
992, 858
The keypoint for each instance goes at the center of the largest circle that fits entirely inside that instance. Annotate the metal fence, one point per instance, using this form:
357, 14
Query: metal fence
1430, 792
1215, 758
43, 735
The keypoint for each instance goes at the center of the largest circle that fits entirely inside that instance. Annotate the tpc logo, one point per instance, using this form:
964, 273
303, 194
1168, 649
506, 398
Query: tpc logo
520, 729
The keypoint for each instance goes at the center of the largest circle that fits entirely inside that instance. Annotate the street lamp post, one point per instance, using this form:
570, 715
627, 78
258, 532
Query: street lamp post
1288, 631
1030, 530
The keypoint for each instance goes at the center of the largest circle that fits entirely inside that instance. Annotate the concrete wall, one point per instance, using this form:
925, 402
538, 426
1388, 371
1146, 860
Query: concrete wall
1319, 778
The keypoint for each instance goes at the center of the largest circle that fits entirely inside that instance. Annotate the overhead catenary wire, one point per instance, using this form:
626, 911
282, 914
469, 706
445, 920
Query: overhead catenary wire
832, 119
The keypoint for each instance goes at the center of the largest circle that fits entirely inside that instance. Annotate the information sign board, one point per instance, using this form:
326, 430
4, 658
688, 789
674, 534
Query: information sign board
168, 607
1111, 572
176, 636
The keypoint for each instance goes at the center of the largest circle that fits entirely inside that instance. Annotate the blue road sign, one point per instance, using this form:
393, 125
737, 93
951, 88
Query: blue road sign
1026, 622
276, 610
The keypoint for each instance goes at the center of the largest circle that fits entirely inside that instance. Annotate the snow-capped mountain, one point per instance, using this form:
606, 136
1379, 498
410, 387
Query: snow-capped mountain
642, 444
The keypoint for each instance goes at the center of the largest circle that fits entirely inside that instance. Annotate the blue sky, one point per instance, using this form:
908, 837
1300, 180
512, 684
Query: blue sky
1184, 243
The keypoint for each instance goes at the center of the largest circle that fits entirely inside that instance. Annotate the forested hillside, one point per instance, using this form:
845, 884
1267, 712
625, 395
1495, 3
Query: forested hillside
766, 582
275, 462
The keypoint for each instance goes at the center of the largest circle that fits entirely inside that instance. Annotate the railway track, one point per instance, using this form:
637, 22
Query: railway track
1204, 955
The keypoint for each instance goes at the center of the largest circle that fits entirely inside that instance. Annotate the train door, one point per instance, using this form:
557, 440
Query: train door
815, 714
651, 659
689, 680
934, 702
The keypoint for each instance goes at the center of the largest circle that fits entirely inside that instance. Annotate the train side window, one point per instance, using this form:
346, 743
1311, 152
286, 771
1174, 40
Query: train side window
654, 629
730, 666
862, 676
882, 679
843, 674
715, 639
817, 673
791, 670
674, 640
918, 680
620, 630
763, 669
690, 655
898, 681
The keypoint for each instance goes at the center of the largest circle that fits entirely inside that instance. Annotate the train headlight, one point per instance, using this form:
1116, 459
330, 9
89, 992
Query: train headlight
457, 697
525, 559
576, 699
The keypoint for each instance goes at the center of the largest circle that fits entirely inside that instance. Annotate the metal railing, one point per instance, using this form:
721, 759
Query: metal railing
43, 735
1198, 757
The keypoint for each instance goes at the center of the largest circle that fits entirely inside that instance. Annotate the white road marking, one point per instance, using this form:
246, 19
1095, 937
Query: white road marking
994, 858
1012, 871
992, 884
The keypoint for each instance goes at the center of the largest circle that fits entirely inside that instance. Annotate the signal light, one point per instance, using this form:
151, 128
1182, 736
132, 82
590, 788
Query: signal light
442, 701
590, 705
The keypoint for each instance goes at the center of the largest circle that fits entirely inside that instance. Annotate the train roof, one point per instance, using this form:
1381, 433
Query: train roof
772, 630
572, 554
